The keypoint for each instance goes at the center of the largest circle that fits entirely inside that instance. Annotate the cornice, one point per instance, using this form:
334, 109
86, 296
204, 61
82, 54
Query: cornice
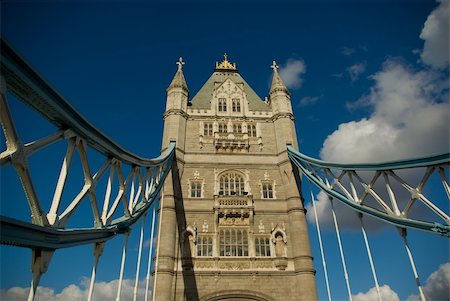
283, 115
176, 112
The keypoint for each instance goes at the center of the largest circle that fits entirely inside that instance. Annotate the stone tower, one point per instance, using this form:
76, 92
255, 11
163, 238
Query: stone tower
233, 227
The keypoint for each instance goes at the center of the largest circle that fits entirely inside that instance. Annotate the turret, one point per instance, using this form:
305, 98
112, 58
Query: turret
177, 92
176, 109
280, 101
279, 95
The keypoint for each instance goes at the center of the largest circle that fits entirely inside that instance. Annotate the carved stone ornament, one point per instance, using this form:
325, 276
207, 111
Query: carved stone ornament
234, 265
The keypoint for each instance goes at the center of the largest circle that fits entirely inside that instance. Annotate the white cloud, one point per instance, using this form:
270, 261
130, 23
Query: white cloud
103, 291
410, 118
371, 295
354, 71
308, 100
348, 51
435, 33
291, 73
437, 287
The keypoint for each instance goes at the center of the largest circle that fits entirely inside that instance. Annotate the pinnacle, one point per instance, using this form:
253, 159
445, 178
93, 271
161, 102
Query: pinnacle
277, 82
178, 80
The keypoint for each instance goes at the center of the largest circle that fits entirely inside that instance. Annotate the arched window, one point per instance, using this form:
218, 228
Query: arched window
231, 183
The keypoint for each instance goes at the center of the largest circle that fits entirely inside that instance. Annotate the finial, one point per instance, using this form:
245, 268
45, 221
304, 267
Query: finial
180, 63
274, 66
225, 65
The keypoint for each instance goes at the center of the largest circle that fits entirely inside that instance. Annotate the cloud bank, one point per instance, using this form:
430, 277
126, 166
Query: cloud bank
103, 291
410, 118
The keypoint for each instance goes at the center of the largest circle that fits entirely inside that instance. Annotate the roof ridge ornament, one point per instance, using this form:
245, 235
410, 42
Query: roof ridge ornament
225, 64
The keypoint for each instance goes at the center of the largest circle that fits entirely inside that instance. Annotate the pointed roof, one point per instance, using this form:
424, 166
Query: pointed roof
277, 82
223, 71
178, 80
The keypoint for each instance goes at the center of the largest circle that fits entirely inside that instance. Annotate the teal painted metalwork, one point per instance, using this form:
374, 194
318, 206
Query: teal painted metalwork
312, 167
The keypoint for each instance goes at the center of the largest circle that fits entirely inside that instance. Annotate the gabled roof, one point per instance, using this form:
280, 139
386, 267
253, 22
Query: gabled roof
202, 100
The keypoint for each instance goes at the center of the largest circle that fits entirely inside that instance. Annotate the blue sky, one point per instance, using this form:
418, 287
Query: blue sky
342, 60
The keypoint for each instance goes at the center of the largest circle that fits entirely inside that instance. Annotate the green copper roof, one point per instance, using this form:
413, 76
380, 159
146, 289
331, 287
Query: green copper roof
202, 100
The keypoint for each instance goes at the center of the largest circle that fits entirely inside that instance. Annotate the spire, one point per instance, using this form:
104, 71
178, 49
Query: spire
178, 80
277, 82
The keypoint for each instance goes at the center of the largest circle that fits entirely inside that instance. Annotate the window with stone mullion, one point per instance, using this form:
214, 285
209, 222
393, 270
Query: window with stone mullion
233, 242
204, 246
267, 190
262, 246
231, 184
196, 189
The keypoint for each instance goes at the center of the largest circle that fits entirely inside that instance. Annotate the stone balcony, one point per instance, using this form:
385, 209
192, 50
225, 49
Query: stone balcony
231, 141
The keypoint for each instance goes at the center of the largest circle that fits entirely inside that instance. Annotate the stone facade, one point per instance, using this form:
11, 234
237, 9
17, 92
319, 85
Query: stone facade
233, 227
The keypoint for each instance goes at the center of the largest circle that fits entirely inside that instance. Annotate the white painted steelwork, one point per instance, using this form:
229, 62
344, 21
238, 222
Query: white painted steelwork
139, 180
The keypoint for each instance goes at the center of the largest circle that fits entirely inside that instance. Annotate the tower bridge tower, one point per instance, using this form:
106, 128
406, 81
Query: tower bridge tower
233, 227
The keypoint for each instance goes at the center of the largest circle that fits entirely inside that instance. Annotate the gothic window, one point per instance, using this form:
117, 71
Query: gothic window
222, 128
196, 189
237, 128
204, 245
233, 242
252, 130
222, 104
236, 105
267, 190
262, 246
231, 184
208, 129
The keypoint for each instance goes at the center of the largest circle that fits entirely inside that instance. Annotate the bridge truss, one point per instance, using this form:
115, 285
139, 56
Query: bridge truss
383, 191
131, 184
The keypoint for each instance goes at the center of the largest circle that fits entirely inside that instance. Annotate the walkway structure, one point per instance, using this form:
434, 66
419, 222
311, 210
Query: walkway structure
126, 186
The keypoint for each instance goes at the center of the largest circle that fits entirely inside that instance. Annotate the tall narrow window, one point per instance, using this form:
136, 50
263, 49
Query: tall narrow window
208, 129
262, 246
267, 191
252, 130
196, 189
222, 104
204, 246
231, 184
237, 128
233, 242
236, 105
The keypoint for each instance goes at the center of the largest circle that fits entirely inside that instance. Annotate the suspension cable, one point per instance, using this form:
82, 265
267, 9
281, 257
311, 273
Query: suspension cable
369, 254
324, 264
341, 250
98, 250
413, 266
150, 255
138, 266
122, 265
